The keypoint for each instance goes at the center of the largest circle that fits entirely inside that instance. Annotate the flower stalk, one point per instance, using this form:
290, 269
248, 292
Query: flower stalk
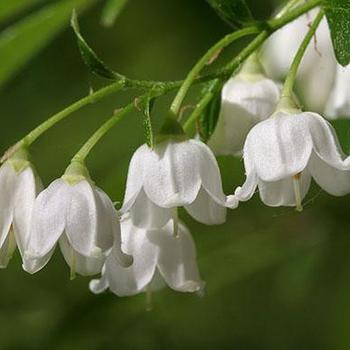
287, 91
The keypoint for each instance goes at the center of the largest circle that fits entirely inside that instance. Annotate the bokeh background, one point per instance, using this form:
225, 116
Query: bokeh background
276, 279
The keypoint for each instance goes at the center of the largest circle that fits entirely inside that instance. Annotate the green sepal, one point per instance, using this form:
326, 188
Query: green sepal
19, 160
90, 58
76, 172
171, 129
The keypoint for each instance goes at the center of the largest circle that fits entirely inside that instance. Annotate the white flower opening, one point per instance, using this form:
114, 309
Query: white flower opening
79, 216
245, 101
175, 174
19, 187
158, 257
283, 153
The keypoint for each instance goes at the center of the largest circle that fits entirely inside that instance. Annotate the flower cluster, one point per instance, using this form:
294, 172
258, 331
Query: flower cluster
145, 245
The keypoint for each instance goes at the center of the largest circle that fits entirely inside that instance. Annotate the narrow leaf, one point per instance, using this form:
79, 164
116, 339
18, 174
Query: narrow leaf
93, 62
209, 117
338, 17
23, 40
13, 7
234, 12
111, 11
147, 106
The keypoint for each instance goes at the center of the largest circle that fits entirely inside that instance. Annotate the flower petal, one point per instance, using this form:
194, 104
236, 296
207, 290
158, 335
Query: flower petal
82, 219
132, 280
25, 194
146, 214
244, 103
338, 104
247, 191
325, 141
210, 175
109, 228
8, 178
177, 258
279, 147
7, 250
33, 265
48, 219
205, 210
100, 285
172, 174
81, 264
136, 173
332, 180
281, 192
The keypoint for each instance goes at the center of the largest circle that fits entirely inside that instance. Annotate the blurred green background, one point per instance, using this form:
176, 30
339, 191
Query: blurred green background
276, 279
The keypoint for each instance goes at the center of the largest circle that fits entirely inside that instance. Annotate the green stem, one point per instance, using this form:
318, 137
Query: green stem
92, 98
84, 151
223, 74
287, 91
272, 25
200, 107
214, 50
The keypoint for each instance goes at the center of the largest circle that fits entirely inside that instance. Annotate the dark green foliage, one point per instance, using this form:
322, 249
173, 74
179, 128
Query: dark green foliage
338, 16
93, 62
234, 12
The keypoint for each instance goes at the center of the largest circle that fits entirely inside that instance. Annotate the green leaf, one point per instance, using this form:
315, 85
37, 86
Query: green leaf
111, 11
234, 12
23, 40
209, 117
93, 62
13, 7
338, 17
147, 121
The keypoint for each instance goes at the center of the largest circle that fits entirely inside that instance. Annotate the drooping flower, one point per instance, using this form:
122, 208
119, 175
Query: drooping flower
338, 104
156, 253
78, 215
19, 187
317, 70
283, 153
247, 98
176, 172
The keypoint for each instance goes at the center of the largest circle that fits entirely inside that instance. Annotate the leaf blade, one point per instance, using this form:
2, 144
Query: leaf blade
338, 18
90, 58
23, 40
111, 11
234, 12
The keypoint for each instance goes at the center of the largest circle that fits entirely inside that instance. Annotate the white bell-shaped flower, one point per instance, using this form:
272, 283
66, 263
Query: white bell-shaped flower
246, 99
338, 104
175, 173
317, 69
19, 187
283, 153
156, 253
78, 215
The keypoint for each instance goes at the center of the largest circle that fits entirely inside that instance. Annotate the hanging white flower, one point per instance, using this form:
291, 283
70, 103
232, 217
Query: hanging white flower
156, 253
338, 104
246, 99
317, 70
78, 215
282, 153
19, 186
176, 172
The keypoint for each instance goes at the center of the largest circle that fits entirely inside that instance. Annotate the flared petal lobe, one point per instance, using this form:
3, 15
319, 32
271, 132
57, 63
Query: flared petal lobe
279, 147
153, 251
244, 103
